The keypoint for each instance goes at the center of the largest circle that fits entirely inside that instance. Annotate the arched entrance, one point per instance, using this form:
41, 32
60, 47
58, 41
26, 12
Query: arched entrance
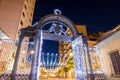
53, 27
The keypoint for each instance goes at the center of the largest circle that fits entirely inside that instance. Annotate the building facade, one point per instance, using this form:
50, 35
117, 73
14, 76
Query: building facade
109, 50
14, 15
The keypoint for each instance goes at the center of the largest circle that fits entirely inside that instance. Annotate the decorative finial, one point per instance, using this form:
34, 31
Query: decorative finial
57, 12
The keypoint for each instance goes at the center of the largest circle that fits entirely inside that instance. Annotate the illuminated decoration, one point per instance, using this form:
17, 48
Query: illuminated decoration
32, 52
7, 49
101, 60
53, 27
52, 62
23, 52
79, 59
57, 29
57, 12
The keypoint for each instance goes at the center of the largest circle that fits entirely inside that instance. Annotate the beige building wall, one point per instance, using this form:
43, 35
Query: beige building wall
15, 14
108, 45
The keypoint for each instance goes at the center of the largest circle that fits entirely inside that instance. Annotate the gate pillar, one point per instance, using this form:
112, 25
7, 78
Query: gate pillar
79, 59
13, 76
34, 75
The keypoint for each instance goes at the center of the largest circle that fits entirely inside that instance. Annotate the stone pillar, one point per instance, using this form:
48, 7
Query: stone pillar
34, 75
13, 76
79, 59
88, 57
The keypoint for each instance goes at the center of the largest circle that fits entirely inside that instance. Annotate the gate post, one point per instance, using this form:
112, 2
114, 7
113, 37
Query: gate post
88, 57
14, 70
34, 75
79, 59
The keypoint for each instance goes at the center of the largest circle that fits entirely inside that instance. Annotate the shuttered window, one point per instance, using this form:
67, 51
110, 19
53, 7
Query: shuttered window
115, 58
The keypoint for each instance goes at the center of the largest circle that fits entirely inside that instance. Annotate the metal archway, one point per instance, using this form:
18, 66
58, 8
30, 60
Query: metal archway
79, 44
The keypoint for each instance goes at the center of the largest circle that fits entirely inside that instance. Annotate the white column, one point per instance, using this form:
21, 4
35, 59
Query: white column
79, 59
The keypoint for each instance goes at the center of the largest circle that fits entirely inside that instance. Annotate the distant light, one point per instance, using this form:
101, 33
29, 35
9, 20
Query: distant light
71, 54
23, 51
32, 52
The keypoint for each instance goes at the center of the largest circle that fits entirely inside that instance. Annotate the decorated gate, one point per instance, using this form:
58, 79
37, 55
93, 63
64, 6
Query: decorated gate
54, 27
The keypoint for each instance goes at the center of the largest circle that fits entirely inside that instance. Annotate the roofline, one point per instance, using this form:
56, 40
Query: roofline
111, 37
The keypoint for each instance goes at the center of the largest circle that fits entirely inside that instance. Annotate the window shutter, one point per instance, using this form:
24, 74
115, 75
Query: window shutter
115, 58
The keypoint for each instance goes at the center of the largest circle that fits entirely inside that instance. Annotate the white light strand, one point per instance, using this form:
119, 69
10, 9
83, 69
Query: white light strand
101, 61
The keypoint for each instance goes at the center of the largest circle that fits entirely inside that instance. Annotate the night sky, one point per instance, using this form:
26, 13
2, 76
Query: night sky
97, 15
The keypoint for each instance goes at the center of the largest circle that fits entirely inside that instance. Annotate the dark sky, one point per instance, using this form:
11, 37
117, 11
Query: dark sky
97, 15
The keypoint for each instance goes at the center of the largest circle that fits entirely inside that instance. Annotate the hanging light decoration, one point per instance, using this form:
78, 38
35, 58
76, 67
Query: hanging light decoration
52, 62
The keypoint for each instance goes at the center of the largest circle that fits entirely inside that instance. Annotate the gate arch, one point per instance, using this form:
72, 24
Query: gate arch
61, 19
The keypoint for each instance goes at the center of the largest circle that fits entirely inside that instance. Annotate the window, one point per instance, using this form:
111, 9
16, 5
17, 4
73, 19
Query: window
23, 14
27, 0
115, 59
25, 6
21, 22
31, 14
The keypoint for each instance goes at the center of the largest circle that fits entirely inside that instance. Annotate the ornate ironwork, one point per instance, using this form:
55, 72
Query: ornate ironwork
53, 27
57, 29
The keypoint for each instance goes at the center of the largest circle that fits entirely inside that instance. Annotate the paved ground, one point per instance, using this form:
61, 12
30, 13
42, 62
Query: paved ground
56, 79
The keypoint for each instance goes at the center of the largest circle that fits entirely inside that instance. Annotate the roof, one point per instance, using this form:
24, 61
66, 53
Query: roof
109, 36
109, 33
